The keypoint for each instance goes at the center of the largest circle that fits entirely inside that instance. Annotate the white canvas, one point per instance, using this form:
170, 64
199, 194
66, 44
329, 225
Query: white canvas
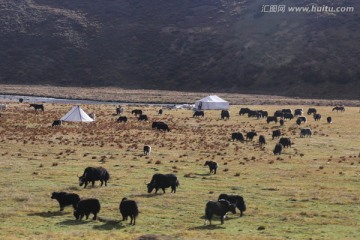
76, 114
212, 103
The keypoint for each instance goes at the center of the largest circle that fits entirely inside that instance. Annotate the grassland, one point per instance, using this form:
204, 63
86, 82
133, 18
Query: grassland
311, 191
159, 96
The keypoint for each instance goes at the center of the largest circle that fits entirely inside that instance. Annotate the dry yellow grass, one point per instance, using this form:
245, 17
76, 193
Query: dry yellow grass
310, 191
157, 96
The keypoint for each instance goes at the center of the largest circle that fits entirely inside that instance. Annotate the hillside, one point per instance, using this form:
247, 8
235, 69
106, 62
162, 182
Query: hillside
202, 45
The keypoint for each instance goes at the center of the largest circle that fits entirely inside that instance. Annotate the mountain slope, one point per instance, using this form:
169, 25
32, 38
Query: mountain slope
197, 45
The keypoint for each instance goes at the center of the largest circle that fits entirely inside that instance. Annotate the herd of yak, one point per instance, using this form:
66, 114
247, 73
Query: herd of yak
128, 208
225, 203
279, 116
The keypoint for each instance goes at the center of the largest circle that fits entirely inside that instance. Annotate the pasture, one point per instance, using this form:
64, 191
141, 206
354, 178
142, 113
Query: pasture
311, 191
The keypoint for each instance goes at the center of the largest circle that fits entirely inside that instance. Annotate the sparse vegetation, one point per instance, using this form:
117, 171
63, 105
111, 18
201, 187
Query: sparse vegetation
305, 196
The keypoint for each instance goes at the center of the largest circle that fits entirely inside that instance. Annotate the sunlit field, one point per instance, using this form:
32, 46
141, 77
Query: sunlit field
310, 191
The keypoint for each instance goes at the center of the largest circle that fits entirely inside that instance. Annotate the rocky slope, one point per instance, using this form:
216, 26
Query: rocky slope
190, 45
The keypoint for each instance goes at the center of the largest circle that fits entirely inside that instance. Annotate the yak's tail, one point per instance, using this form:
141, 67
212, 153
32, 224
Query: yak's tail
177, 183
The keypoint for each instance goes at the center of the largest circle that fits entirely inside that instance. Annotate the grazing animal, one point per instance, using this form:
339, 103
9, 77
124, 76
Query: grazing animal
342, 109
66, 199
237, 200
317, 117
92, 174
219, 208
143, 117
21, 100
225, 114
162, 127
154, 124
119, 110
237, 136
329, 120
286, 142
262, 140
244, 111
122, 119
136, 112
298, 112
147, 150
305, 132
250, 135
37, 106
311, 111
198, 114
276, 134
3, 107
278, 149
85, 207
288, 116
278, 113
163, 181
298, 121
271, 119
56, 123
212, 166
302, 119
129, 208
256, 114
282, 122
160, 112
287, 110
263, 113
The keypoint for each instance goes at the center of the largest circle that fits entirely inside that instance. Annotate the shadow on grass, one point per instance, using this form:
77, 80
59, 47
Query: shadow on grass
208, 227
227, 218
148, 195
48, 214
109, 224
73, 222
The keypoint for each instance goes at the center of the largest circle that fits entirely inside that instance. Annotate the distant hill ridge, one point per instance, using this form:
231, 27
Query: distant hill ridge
188, 45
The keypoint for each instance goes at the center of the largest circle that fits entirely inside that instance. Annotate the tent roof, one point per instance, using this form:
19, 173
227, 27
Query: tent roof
212, 102
212, 98
76, 114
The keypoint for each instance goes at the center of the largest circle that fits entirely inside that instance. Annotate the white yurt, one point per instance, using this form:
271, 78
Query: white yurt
212, 102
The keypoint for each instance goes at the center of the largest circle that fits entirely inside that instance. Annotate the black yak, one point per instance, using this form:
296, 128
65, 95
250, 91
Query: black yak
262, 140
92, 174
329, 120
129, 208
198, 114
278, 149
66, 199
250, 135
286, 142
212, 166
235, 199
163, 181
237, 136
276, 134
56, 123
87, 206
219, 208
147, 150
225, 114
122, 119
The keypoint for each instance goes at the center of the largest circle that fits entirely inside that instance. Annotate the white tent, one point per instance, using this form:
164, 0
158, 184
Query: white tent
76, 114
212, 103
